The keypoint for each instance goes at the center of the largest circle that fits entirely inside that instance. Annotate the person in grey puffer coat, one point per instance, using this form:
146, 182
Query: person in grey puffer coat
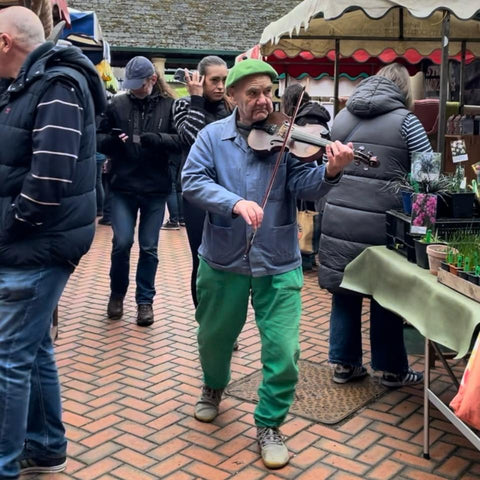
376, 116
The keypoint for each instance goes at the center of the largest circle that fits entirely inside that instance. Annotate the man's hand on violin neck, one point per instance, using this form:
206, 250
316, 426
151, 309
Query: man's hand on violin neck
250, 211
339, 156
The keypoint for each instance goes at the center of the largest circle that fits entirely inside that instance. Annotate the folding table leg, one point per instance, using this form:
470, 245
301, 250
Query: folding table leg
426, 402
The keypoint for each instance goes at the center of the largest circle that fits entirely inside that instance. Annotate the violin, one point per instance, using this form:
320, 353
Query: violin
305, 142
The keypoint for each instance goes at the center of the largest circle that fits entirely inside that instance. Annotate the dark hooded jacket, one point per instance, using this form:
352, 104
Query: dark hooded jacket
138, 166
312, 113
68, 230
354, 215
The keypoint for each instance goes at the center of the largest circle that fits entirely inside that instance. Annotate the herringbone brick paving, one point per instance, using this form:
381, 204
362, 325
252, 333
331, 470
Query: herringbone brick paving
129, 394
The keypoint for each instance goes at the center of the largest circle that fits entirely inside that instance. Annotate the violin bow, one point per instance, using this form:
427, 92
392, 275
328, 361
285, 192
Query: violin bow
275, 170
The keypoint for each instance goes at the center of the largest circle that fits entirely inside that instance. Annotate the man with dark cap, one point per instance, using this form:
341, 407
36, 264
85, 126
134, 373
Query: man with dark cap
47, 222
137, 133
226, 178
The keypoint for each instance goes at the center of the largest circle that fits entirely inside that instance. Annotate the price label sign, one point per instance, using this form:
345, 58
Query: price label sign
459, 151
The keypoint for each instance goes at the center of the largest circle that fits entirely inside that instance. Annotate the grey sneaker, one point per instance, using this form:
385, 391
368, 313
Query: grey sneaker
145, 315
31, 465
273, 449
206, 408
346, 373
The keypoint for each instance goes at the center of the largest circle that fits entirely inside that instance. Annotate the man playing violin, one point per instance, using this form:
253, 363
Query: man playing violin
228, 179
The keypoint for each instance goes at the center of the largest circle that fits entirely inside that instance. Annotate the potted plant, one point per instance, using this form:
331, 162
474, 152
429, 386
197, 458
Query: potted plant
450, 260
461, 201
474, 276
421, 247
456, 268
436, 255
475, 188
465, 269
405, 185
464, 254
471, 267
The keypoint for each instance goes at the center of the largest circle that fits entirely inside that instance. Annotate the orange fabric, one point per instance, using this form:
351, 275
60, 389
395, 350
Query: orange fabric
466, 403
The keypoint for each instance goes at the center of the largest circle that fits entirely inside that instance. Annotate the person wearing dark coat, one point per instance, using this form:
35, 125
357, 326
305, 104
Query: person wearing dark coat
138, 135
47, 223
376, 116
309, 113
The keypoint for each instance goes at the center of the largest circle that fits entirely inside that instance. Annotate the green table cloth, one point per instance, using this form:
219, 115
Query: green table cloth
436, 311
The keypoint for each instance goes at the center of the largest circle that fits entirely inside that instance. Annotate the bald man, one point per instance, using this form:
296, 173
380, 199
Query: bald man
47, 210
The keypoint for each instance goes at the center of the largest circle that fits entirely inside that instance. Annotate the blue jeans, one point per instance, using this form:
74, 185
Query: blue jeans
30, 404
100, 193
175, 205
386, 335
107, 194
124, 208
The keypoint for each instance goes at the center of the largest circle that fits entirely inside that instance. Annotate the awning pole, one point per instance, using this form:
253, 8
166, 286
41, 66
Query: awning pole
443, 87
461, 98
335, 77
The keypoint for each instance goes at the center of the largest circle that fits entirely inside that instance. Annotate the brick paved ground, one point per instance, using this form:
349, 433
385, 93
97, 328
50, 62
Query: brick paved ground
129, 394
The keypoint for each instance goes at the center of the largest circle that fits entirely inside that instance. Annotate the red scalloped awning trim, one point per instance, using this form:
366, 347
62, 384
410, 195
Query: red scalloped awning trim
302, 64
388, 55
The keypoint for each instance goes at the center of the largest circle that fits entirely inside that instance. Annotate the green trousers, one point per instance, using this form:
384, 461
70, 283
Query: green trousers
221, 313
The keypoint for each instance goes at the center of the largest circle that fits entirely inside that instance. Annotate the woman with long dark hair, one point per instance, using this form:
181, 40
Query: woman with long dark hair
206, 104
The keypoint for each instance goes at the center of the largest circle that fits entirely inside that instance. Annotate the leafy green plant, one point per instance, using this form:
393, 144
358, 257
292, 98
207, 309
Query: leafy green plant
430, 237
404, 182
458, 184
464, 244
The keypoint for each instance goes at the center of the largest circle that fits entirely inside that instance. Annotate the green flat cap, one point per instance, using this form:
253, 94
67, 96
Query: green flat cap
250, 66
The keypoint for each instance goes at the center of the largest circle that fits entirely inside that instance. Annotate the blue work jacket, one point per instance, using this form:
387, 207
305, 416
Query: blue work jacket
222, 169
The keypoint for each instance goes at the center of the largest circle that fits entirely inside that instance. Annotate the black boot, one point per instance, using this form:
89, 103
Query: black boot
115, 307
144, 315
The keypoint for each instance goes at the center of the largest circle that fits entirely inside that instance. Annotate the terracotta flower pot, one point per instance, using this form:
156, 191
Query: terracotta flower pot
454, 269
436, 255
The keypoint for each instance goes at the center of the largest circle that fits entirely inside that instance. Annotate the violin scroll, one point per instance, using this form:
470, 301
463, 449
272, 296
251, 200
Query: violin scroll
367, 158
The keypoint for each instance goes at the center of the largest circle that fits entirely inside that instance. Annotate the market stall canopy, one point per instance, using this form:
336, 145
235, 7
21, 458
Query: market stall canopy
374, 28
347, 26
86, 33
86, 24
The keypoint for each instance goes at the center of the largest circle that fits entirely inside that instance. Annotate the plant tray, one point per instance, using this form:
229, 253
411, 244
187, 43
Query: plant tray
459, 284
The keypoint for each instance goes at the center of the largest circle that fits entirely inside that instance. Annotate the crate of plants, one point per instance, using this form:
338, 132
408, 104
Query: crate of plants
454, 210
460, 269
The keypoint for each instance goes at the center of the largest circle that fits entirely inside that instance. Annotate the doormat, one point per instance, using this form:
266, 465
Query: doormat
317, 397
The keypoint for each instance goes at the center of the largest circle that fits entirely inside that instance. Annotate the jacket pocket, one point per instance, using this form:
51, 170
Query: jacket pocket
281, 246
218, 243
